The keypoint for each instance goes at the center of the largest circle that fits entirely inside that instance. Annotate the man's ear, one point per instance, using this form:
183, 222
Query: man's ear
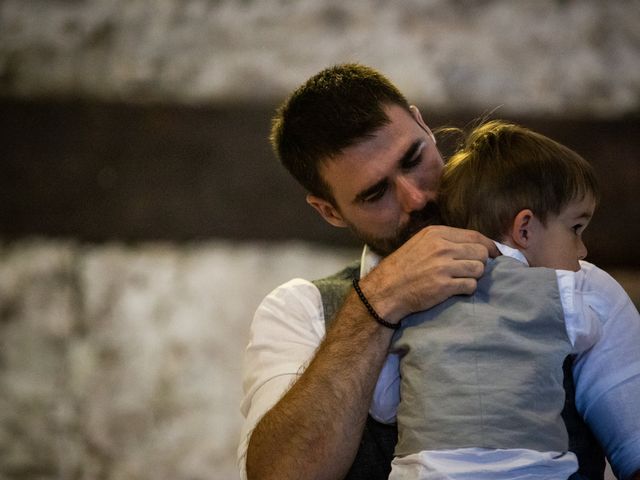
326, 210
418, 117
521, 229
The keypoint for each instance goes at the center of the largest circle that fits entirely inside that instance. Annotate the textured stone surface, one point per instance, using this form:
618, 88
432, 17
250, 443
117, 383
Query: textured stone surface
531, 56
124, 362
38, 314
121, 362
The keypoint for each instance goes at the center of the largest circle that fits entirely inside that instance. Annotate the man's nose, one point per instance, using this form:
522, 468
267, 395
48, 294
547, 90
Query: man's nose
411, 197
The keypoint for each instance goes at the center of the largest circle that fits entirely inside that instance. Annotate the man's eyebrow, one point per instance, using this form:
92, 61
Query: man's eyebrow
412, 151
408, 156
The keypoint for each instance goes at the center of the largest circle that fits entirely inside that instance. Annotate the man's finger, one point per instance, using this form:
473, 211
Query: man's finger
464, 286
470, 251
461, 235
490, 246
459, 269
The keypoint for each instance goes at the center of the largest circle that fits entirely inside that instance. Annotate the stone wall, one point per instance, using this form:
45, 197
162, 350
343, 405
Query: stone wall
124, 362
559, 57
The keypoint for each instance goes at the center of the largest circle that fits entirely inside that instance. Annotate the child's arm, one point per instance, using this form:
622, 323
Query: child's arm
386, 396
608, 375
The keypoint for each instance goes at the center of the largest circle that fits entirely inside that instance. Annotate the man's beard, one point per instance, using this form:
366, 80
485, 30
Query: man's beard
383, 246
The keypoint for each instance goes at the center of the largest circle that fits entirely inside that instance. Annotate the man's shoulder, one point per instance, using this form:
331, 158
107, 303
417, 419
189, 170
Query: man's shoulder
334, 288
296, 288
299, 294
347, 274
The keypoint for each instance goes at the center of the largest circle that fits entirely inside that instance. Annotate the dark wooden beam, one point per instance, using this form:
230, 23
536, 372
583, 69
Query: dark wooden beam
104, 171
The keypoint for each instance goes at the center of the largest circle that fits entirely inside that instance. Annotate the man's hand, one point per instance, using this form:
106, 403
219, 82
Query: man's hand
435, 264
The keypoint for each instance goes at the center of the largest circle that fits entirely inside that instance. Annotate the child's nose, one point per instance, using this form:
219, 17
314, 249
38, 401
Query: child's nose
582, 251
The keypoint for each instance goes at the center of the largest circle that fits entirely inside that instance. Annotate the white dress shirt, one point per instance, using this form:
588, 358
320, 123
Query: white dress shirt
289, 325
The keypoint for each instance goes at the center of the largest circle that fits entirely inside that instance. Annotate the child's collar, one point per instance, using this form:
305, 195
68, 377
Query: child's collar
511, 252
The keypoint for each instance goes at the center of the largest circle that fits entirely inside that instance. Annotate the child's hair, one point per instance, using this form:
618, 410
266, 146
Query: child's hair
504, 168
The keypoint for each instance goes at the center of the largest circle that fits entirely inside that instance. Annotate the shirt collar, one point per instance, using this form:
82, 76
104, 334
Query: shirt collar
370, 259
508, 251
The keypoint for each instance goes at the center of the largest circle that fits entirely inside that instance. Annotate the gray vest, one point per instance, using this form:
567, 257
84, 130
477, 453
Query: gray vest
485, 370
373, 459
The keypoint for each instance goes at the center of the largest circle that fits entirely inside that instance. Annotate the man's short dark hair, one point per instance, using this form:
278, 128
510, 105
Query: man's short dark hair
335, 109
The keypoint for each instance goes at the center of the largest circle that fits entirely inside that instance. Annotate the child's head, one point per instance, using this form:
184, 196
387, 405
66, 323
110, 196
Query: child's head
523, 189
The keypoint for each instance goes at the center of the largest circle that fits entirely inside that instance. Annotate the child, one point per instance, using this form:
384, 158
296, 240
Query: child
481, 375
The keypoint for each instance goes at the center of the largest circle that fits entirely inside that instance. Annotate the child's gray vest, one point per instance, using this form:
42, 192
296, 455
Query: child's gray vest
485, 370
373, 460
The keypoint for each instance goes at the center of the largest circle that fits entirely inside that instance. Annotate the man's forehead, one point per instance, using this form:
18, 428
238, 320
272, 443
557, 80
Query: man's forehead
368, 159
391, 139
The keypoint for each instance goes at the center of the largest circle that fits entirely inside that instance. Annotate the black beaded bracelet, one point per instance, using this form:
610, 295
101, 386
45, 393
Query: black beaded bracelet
374, 314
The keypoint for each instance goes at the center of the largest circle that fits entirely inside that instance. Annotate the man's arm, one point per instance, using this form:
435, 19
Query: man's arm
314, 430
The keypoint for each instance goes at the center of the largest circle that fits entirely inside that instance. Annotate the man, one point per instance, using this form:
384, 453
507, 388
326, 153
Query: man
370, 164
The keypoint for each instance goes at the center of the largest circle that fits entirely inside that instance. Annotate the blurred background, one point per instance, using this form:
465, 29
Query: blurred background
143, 215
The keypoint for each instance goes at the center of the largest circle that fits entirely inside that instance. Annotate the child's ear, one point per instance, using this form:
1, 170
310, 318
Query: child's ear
521, 228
